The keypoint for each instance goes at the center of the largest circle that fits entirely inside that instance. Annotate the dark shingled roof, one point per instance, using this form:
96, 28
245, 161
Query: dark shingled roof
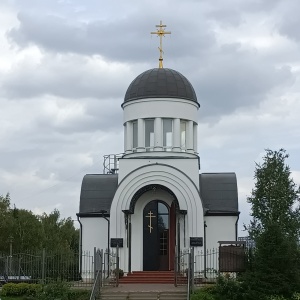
219, 193
160, 83
97, 192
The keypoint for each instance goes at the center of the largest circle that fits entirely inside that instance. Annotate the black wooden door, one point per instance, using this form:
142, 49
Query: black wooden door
155, 236
150, 244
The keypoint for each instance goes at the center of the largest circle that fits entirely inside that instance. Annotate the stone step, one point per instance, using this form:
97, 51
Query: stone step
144, 296
165, 277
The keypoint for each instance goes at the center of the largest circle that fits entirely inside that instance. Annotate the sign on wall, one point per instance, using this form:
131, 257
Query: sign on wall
114, 242
196, 241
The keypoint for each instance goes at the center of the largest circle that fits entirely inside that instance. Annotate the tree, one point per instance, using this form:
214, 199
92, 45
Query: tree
275, 198
59, 234
6, 222
275, 228
27, 231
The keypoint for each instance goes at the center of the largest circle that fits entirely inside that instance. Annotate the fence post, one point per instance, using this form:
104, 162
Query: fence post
175, 267
43, 265
19, 267
101, 268
95, 263
189, 277
118, 267
192, 269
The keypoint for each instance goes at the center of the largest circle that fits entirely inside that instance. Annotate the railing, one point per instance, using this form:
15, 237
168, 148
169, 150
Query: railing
46, 266
111, 163
205, 266
98, 275
111, 267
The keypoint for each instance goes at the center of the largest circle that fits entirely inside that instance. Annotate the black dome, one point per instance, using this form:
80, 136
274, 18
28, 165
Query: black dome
160, 83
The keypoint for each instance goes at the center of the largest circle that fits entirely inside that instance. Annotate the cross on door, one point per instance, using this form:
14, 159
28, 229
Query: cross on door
150, 216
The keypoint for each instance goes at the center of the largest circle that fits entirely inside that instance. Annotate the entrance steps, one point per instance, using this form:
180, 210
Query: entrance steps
180, 295
159, 277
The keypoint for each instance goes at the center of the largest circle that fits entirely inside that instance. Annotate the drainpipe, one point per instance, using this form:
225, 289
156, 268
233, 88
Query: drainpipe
236, 227
108, 234
80, 246
205, 249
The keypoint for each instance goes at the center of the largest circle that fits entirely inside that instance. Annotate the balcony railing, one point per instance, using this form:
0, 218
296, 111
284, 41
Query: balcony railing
111, 163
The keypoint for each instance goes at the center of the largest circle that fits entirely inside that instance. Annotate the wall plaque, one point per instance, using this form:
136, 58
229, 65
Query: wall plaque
196, 241
114, 242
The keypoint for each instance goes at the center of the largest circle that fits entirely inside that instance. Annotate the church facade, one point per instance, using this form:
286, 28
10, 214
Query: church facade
151, 200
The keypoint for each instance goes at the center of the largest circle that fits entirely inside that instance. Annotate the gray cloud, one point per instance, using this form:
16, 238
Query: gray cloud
70, 63
65, 35
65, 76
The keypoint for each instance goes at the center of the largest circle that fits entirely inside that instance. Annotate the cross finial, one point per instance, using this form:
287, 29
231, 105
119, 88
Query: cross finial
161, 32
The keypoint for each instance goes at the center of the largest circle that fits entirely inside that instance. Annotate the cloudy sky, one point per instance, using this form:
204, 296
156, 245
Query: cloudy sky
65, 66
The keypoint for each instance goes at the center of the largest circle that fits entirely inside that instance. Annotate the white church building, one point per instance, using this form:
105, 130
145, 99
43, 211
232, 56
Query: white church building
152, 200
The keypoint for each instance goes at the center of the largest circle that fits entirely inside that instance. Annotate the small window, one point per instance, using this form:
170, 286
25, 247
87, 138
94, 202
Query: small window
167, 134
149, 134
135, 134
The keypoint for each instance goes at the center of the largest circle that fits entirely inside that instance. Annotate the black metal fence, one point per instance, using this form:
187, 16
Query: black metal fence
43, 266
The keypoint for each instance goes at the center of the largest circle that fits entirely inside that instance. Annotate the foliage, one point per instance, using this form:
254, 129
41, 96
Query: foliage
55, 290
28, 231
118, 271
78, 294
203, 294
59, 234
275, 227
6, 222
276, 263
275, 196
20, 289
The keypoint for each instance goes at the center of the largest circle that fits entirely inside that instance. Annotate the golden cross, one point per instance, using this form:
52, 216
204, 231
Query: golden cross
150, 219
161, 32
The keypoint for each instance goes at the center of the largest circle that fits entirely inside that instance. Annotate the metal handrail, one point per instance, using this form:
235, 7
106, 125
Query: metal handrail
96, 286
98, 278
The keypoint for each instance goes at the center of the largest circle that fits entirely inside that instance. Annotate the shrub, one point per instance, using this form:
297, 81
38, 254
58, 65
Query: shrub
21, 289
78, 294
58, 290
202, 294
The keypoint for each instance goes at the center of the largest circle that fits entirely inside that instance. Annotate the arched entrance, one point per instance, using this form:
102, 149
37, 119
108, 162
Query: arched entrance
158, 236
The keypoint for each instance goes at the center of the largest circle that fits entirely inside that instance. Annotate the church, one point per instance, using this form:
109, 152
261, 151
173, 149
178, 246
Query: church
152, 201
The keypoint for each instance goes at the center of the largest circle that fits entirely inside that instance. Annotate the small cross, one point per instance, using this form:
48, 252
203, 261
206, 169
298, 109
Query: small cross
150, 219
161, 32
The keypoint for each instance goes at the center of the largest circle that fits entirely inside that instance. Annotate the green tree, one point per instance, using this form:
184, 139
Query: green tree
27, 230
59, 234
6, 222
274, 228
275, 198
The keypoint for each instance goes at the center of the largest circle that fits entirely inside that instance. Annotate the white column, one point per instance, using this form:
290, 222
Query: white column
176, 135
129, 137
190, 136
141, 136
158, 134
196, 138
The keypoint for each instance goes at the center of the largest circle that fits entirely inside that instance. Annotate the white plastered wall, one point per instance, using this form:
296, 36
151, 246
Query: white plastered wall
94, 234
219, 228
